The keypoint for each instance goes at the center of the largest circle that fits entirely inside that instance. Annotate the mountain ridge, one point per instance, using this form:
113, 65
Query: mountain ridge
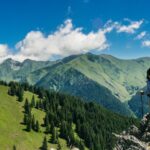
123, 78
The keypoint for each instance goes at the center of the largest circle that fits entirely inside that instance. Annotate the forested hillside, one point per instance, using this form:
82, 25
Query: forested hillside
38, 118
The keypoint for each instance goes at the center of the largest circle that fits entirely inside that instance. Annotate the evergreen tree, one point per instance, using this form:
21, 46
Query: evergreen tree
59, 146
81, 146
44, 145
33, 101
12, 89
14, 147
25, 119
33, 123
54, 138
46, 120
29, 125
37, 105
37, 126
47, 129
41, 104
27, 107
63, 130
52, 127
20, 94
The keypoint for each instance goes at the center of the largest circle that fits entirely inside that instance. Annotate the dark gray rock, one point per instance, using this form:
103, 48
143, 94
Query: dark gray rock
135, 138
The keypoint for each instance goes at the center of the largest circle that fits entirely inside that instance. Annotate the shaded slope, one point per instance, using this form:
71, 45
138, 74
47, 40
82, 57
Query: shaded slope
136, 105
74, 82
122, 77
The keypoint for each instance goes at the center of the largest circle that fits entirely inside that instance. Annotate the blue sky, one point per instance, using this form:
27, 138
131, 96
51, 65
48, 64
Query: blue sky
24, 22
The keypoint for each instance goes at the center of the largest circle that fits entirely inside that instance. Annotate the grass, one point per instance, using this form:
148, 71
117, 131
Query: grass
12, 131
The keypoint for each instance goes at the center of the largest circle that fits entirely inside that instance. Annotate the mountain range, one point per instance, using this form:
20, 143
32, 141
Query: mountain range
108, 80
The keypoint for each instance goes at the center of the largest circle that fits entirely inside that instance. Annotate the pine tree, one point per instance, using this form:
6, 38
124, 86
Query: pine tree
44, 145
54, 137
33, 101
37, 126
63, 130
29, 125
41, 104
37, 105
33, 123
27, 107
12, 89
25, 119
46, 121
81, 146
41, 93
14, 147
59, 146
20, 94
47, 129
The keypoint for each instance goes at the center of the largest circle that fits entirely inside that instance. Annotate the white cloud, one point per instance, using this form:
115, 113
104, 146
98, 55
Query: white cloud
4, 50
146, 43
66, 40
141, 35
130, 28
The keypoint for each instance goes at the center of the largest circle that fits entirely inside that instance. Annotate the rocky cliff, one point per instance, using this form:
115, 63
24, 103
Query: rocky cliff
135, 138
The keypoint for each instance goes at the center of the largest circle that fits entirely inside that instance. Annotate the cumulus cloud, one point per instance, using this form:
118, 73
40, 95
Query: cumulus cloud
4, 50
130, 28
66, 40
141, 35
146, 43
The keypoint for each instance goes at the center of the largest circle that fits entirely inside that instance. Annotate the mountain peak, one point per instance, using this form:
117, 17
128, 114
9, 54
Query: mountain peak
11, 61
108, 56
12, 64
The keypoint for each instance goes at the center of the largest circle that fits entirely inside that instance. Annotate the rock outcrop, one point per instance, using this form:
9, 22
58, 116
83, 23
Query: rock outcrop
135, 138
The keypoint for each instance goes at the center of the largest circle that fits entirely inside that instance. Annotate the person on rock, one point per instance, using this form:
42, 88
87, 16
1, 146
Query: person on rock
148, 83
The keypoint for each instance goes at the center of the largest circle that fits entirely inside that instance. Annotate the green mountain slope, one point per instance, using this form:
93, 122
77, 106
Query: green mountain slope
122, 77
11, 129
90, 123
13, 70
74, 82
112, 78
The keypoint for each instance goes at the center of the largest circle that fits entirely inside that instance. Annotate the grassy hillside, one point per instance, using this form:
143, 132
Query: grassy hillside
81, 124
11, 129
